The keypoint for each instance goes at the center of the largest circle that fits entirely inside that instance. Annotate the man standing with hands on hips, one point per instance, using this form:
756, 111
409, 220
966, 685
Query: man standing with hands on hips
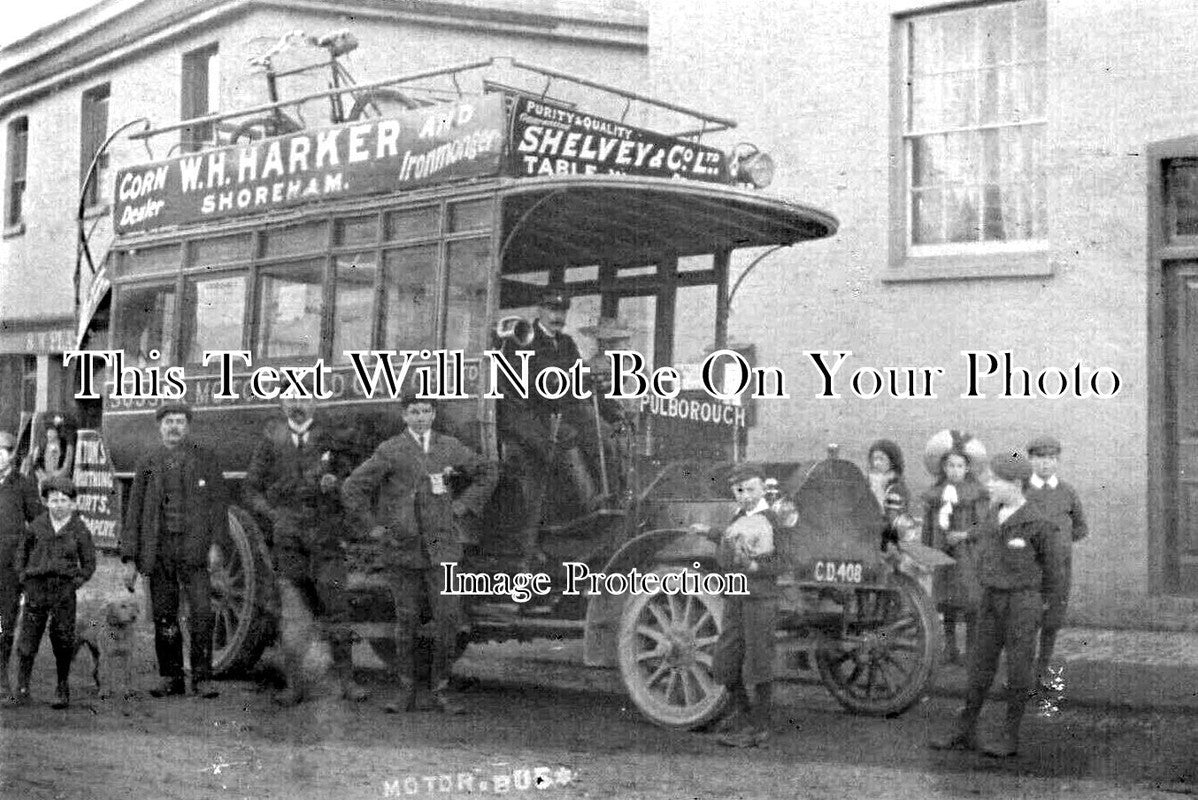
177, 508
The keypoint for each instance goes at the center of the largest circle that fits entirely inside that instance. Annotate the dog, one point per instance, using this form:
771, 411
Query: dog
110, 644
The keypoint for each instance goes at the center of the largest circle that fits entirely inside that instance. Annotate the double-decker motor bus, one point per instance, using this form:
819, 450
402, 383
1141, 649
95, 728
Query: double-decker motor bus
419, 231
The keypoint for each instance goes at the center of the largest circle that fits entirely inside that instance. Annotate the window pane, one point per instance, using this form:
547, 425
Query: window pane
290, 300
962, 208
150, 260
969, 68
360, 231
409, 298
474, 215
220, 250
145, 322
694, 323
466, 312
416, 223
216, 309
640, 314
927, 214
295, 239
352, 307
1181, 193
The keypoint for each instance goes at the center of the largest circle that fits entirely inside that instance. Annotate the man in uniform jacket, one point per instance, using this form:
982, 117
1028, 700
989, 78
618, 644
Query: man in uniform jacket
402, 496
294, 480
1019, 571
176, 509
530, 422
19, 504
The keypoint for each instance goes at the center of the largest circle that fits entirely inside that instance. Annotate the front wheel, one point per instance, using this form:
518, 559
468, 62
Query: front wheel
665, 654
242, 581
884, 662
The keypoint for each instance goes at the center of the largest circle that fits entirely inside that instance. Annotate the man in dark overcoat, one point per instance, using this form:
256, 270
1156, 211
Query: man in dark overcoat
294, 480
19, 504
177, 508
404, 495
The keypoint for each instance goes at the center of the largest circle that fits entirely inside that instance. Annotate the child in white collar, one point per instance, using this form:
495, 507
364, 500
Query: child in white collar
1059, 502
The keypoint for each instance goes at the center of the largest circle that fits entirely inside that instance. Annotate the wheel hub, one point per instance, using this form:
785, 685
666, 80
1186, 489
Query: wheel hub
682, 648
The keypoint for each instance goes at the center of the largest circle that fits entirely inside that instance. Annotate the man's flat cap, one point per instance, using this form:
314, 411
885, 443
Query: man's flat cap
1044, 446
173, 408
743, 472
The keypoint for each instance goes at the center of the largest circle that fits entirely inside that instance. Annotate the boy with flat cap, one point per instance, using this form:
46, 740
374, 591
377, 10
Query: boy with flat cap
55, 559
1059, 502
744, 653
176, 510
1019, 571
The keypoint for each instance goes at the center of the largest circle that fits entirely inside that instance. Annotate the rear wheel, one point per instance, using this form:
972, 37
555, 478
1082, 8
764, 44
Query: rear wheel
242, 579
665, 655
885, 661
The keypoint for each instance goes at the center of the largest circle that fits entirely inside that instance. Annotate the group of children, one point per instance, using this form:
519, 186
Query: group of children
1010, 531
47, 557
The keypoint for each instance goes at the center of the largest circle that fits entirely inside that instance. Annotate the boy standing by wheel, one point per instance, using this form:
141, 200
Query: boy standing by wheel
744, 653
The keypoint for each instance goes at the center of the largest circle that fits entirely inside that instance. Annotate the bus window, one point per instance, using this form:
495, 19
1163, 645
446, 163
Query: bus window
214, 309
466, 313
145, 321
584, 313
357, 232
640, 314
150, 260
289, 310
352, 303
694, 323
295, 239
414, 223
409, 302
470, 216
220, 250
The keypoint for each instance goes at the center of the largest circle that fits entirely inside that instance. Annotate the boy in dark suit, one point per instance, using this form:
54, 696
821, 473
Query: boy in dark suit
56, 558
1019, 571
1060, 503
402, 496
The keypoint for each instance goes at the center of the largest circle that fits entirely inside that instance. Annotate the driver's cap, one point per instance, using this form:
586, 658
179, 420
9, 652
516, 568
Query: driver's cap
555, 298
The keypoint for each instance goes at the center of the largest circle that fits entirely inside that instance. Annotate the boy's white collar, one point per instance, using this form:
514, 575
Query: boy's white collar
1039, 483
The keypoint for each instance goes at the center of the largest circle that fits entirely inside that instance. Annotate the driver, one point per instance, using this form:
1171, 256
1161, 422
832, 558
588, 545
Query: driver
545, 427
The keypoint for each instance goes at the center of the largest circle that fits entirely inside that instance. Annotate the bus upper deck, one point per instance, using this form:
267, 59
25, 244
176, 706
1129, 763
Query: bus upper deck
417, 231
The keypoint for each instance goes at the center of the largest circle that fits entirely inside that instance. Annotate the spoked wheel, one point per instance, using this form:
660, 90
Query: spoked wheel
665, 654
885, 662
241, 596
